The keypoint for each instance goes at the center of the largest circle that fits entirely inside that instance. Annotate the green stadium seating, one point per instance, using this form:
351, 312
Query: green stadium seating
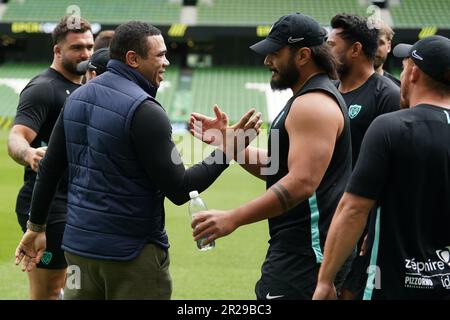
111, 11
414, 13
13, 76
256, 12
225, 86
167, 91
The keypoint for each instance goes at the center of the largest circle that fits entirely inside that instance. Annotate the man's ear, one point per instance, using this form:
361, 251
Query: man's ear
57, 49
415, 74
304, 56
132, 59
356, 49
93, 74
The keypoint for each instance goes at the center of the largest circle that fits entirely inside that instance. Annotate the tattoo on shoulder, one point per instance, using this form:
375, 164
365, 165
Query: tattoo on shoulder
283, 195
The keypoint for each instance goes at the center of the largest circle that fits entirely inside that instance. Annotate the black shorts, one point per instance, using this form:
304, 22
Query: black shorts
53, 257
292, 276
356, 279
287, 276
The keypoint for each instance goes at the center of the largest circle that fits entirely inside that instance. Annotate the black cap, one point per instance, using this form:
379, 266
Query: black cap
293, 29
431, 55
97, 62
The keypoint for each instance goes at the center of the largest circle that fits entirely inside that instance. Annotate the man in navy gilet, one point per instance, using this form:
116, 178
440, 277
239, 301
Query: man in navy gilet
115, 138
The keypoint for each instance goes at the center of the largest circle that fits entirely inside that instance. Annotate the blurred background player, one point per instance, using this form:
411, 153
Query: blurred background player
96, 65
103, 39
39, 107
385, 36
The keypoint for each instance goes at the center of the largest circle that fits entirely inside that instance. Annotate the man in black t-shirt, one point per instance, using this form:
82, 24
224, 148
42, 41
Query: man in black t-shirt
367, 95
39, 106
385, 35
404, 167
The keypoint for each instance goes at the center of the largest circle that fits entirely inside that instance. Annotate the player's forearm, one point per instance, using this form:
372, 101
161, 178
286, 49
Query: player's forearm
345, 230
18, 148
284, 195
253, 160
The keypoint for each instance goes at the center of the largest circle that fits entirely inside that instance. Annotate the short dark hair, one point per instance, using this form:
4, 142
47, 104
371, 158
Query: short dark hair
131, 36
66, 25
323, 58
103, 39
356, 29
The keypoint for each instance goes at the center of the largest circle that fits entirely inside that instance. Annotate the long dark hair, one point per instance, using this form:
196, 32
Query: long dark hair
323, 58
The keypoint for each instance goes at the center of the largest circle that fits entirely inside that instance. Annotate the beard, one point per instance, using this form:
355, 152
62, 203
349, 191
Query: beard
343, 69
71, 66
288, 76
379, 61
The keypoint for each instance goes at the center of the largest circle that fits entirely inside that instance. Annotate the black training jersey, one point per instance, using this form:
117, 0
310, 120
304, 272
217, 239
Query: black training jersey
303, 228
39, 106
376, 96
390, 76
405, 164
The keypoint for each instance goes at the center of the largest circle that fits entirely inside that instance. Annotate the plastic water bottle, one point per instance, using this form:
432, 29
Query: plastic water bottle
197, 205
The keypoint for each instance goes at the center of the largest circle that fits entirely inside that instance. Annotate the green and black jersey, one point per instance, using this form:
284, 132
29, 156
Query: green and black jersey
404, 164
378, 95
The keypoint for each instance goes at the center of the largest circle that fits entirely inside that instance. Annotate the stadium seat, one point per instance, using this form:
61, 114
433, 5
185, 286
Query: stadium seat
417, 14
13, 77
227, 87
112, 11
256, 12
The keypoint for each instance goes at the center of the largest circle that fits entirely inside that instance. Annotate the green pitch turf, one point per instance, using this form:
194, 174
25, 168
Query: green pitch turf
227, 272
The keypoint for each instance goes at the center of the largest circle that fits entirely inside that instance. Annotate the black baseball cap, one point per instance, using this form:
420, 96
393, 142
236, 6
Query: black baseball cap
97, 62
293, 29
431, 55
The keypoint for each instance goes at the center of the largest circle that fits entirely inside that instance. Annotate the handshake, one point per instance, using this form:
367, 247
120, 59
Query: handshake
230, 139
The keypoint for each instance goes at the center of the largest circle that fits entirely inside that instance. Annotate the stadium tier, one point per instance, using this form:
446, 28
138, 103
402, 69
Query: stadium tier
256, 12
230, 88
413, 13
167, 92
405, 13
234, 89
13, 77
111, 11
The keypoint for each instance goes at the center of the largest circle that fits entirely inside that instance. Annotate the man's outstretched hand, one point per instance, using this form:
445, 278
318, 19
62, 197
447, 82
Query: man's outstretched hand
231, 139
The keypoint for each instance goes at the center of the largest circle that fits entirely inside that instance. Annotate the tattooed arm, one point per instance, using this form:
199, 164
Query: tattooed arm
19, 148
313, 125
